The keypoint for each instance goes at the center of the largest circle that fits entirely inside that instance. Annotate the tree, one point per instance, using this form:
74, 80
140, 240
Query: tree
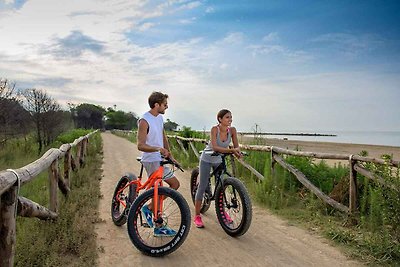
46, 113
170, 125
14, 119
88, 116
121, 120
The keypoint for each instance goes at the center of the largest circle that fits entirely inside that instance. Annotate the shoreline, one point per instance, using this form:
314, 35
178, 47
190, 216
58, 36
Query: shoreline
375, 151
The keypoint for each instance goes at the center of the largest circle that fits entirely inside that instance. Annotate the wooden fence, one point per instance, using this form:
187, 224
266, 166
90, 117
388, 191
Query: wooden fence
12, 205
276, 157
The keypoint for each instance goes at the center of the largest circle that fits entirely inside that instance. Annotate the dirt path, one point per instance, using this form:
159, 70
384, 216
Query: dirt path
270, 241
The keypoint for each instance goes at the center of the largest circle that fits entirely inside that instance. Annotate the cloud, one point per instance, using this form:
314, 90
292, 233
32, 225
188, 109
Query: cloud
53, 82
289, 55
223, 66
210, 9
74, 45
190, 5
233, 38
188, 21
145, 26
271, 37
267, 49
350, 44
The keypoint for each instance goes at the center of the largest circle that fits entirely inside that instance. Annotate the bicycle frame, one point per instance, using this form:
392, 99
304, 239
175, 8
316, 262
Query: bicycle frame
217, 174
155, 180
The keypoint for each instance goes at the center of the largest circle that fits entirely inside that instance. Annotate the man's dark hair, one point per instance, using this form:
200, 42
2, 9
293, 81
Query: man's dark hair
222, 113
156, 97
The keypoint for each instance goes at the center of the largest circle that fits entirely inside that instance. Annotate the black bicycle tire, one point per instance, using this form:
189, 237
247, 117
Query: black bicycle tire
182, 233
193, 188
246, 205
120, 219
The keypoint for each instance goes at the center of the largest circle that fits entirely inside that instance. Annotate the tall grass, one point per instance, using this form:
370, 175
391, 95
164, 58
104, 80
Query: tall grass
375, 239
18, 152
70, 240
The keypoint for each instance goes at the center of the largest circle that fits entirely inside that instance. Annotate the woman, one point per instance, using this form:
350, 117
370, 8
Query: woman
221, 136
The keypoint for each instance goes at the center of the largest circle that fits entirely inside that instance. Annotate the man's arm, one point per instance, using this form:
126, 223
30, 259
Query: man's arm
166, 145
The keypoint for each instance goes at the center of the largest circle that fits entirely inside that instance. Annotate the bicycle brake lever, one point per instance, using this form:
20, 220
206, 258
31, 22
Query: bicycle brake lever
179, 167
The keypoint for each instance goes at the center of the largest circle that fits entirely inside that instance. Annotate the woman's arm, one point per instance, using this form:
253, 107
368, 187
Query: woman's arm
235, 143
234, 137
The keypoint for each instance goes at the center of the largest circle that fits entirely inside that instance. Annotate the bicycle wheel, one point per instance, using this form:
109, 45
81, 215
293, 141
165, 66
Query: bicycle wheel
194, 183
175, 216
233, 207
122, 199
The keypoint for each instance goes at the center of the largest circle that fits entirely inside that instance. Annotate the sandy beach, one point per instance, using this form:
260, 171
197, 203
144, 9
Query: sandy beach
328, 147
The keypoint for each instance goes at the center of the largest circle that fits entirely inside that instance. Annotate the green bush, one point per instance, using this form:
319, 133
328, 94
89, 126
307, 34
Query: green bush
70, 136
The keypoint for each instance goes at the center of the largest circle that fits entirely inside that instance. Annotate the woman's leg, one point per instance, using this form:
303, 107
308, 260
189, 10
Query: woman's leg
204, 173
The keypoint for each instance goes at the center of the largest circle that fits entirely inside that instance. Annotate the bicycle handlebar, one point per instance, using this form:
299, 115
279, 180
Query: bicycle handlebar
169, 161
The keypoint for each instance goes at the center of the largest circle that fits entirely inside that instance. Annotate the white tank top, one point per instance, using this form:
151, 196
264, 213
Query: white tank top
154, 136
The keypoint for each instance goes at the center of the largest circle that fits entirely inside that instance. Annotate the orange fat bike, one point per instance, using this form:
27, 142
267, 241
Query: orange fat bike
158, 220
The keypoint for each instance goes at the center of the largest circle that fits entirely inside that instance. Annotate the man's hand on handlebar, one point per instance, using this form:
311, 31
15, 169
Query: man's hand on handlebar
170, 159
165, 152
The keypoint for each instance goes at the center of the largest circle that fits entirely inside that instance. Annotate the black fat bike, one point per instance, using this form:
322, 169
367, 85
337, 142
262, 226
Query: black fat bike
232, 202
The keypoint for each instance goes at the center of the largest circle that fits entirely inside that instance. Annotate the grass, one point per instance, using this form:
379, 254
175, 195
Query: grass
71, 239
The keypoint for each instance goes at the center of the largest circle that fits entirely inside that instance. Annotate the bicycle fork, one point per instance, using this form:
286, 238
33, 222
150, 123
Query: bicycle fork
156, 207
157, 203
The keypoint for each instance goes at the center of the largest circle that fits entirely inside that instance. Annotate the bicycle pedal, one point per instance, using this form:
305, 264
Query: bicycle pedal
146, 225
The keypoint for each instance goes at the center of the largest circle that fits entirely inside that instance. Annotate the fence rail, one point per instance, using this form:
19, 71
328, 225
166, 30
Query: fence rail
12, 205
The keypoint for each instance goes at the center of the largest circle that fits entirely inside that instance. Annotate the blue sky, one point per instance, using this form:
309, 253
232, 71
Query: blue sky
285, 65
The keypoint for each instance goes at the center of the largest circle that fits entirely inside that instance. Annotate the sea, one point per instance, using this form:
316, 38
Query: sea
387, 138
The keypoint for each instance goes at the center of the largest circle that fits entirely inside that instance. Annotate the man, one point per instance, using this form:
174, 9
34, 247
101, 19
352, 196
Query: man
153, 142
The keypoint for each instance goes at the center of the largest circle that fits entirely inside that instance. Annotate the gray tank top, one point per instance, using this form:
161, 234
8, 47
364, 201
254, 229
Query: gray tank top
206, 155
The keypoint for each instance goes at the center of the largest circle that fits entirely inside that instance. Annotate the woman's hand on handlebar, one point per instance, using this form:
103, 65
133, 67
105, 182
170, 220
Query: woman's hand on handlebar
236, 152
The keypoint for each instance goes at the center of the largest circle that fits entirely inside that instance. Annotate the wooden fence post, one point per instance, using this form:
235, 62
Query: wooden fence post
53, 180
84, 148
78, 155
83, 153
196, 153
352, 186
273, 162
8, 202
182, 147
67, 167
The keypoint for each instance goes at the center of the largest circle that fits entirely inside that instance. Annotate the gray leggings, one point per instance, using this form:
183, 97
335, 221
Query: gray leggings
205, 169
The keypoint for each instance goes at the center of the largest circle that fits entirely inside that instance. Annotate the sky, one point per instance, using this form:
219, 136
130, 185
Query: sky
309, 66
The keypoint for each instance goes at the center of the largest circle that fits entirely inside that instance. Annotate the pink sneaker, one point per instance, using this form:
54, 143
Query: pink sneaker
198, 221
228, 218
